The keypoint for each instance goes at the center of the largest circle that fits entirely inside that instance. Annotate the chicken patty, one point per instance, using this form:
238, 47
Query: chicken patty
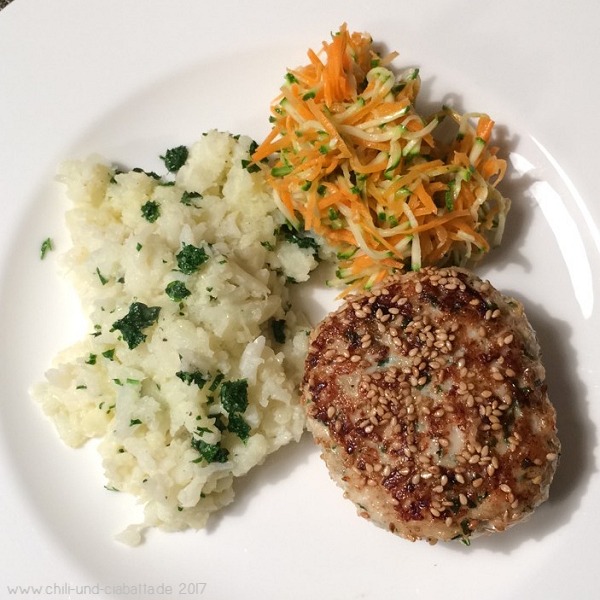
428, 397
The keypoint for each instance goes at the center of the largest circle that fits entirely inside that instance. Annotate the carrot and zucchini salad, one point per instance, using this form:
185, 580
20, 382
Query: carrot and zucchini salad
351, 160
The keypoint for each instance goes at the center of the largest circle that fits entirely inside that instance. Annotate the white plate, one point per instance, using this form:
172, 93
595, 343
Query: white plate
126, 80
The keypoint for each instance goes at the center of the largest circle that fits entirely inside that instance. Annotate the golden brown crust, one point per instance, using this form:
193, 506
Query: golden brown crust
428, 398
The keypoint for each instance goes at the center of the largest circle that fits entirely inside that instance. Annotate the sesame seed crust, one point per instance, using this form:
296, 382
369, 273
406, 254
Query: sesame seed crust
428, 397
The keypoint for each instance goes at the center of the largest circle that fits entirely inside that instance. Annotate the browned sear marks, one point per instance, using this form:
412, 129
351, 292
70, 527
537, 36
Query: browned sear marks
428, 397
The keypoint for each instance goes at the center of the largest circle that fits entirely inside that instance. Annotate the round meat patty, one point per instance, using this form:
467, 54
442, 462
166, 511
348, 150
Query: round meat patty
427, 396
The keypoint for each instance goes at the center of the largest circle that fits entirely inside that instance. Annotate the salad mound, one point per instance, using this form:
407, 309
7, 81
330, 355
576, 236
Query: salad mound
350, 158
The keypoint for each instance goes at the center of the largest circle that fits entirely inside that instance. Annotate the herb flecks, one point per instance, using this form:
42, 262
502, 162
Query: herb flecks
190, 258
151, 174
278, 329
102, 278
47, 246
295, 237
187, 197
151, 211
238, 426
177, 291
210, 452
216, 382
234, 399
175, 158
140, 316
190, 377
234, 395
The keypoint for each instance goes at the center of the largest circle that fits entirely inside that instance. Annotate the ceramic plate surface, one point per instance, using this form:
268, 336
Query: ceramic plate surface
126, 80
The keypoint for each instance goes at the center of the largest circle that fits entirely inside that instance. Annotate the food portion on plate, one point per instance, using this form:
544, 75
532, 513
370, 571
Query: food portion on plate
189, 374
353, 160
428, 397
425, 388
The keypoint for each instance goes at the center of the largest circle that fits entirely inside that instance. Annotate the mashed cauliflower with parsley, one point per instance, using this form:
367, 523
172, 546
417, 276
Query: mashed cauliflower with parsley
190, 370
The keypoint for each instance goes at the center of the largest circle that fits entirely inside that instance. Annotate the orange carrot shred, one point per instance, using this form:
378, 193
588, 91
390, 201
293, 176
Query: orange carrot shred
353, 161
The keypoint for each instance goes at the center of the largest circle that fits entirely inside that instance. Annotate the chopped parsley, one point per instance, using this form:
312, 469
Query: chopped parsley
114, 175
220, 423
295, 237
187, 197
201, 430
234, 395
239, 426
250, 166
133, 422
151, 174
103, 280
216, 382
190, 377
46, 246
109, 354
175, 158
234, 399
140, 316
177, 291
210, 452
278, 328
190, 258
151, 211
91, 359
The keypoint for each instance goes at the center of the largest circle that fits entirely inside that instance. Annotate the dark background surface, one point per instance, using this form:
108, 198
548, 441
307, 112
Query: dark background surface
4, 3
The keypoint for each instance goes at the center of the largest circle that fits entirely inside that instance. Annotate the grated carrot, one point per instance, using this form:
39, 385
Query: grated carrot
351, 159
